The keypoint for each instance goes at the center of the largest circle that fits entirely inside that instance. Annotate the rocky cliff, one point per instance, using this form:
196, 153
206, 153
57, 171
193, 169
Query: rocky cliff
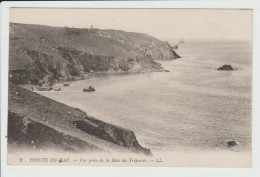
43, 54
39, 123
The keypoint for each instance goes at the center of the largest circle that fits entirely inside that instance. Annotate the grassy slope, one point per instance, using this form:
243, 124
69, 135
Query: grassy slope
53, 124
57, 36
64, 53
57, 53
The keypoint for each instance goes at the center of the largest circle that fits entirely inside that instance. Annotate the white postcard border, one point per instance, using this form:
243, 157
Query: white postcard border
15, 171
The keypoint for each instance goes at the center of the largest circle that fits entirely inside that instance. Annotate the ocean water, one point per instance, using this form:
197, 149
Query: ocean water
193, 107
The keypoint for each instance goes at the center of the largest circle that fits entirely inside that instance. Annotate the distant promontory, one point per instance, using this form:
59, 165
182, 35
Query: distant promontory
44, 55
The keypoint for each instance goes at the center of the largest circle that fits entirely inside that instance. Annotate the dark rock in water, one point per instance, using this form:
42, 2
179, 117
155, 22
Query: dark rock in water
232, 143
166, 70
66, 85
225, 67
57, 89
90, 89
45, 89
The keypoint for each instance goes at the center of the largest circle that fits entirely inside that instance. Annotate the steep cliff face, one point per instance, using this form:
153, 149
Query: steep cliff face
39, 123
141, 44
30, 134
40, 54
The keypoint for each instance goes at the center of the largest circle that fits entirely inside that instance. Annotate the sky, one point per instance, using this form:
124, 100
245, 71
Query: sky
217, 24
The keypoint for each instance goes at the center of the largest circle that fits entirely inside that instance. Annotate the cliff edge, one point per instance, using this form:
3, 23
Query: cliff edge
43, 54
39, 123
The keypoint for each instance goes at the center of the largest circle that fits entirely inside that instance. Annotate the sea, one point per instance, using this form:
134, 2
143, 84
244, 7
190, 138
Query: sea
194, 107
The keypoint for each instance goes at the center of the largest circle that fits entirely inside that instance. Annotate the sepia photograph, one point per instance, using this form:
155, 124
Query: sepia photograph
130, 87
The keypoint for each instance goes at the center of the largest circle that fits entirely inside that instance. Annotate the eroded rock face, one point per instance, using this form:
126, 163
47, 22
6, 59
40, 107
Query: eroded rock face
35, 135
37, 122
61, 54
111, 133
141, 44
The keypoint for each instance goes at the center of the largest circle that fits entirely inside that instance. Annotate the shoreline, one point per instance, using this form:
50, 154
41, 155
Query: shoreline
60, 83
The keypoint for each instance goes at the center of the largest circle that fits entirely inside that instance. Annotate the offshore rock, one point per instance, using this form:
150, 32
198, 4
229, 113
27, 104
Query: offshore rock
225, 67
232, 143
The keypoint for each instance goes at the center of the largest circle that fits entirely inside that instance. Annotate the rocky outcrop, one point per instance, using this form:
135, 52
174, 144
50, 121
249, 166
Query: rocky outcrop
31, 134
232, 143
225, 67
42, 54
141, 44
111, 133
37, 122
89, 62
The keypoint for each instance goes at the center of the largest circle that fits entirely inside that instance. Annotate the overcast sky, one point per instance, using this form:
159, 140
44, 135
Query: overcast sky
160, 23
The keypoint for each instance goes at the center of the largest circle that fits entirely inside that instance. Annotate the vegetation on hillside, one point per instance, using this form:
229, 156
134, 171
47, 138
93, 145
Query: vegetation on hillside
43, 54
40, 123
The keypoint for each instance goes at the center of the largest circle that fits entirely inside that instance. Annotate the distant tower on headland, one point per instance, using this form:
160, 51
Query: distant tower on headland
91, 27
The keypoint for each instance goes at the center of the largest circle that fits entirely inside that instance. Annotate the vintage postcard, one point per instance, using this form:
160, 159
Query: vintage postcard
130, 87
